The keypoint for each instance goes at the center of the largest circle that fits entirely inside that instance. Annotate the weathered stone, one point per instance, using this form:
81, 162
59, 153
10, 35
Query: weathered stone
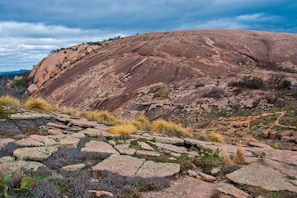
187, 187
5, 141
100, 193
173, 148
157, 169
228, 189
30, 142
192, 173
145, 146
78, 135
54, 131
9, 164
148, 153
56, 126
206, 177
29, 116
122, 164
97, 133
99, 147
261, 176
74, 167
83, 123
70, 141
169, 140
193, 142
34, 153
124, 149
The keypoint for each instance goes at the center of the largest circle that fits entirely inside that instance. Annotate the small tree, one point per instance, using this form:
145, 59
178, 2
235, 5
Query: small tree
286, 84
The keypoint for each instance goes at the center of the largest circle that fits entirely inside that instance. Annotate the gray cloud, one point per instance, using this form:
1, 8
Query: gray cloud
30, 29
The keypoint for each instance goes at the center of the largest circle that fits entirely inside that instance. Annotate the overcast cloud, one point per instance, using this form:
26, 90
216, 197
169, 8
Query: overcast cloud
30, 29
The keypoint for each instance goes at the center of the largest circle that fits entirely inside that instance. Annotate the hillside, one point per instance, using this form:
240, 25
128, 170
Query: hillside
161, 74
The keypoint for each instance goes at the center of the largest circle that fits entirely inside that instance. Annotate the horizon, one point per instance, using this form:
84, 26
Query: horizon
30, 30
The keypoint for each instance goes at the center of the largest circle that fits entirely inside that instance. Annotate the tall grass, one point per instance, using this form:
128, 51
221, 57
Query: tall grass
9, 101
103, 117
168, 128
215, 137
123, 129
37, 104
142, 123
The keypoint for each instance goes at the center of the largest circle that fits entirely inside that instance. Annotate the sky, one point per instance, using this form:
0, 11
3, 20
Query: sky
30, 29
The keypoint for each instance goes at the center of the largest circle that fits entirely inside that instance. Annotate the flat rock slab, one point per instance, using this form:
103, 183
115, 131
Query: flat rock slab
74, 167
29, 116
97, 133
9, 164
145, 146
99, 147
122, 164
34, 153
228, 189
5, 141
83, 123
173, 148
124, 149
169, 140
186, 187
158, 169
261, 176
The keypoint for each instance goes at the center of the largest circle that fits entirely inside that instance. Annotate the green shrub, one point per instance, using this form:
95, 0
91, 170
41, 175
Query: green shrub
249, 82
4, 114
286, 84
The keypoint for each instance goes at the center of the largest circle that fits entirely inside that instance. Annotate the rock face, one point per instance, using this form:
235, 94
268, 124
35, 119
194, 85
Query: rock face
161, 73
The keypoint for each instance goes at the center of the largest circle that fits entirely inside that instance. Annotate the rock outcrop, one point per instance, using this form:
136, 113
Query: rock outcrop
161, 74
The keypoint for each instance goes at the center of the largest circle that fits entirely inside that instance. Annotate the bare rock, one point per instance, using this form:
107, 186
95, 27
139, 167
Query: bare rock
99, 147
157, 169
74, 167
97, 133
206, 177
122, 164
186, 187
169, 140
145, 146
124, 149
83, 123
148, 153
34, 153
228, 189
9, 164
261, 176
173, 148
5, 141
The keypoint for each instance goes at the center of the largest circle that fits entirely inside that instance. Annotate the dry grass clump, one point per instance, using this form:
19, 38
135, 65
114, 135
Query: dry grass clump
215, 137
142, 123
9, 101
103, 117
239, 157
168, 128
37, 104
227, 162
123, 129
69, 111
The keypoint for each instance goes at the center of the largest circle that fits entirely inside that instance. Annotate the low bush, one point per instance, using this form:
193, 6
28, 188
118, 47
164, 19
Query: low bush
249, 82
168, 128
37, 104
103, 117
123, 129
9, 101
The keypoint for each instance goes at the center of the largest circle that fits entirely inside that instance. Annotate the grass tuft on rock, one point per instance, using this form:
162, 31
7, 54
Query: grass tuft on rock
103, 117
123, 129
37, 104
215, 137
168, 128
9, 101
142, 123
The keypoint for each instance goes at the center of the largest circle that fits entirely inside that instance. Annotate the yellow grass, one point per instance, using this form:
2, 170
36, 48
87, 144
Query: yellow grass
227, 162
103, 117
142, 123
239, 157
9, 101
215, 137
123, 129
69, 111
168, 128
37, 104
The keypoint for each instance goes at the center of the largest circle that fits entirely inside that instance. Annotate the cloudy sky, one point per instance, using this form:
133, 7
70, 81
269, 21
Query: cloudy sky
30, 29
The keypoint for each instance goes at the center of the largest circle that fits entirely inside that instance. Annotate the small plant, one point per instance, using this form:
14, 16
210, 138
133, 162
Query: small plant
69, 111
209, 155
38, 104
25, 185
261, 156
239, 157
286, 84
142, 123
215, 137
123, 129
9, 101
168, 128
103, 117
4, 114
